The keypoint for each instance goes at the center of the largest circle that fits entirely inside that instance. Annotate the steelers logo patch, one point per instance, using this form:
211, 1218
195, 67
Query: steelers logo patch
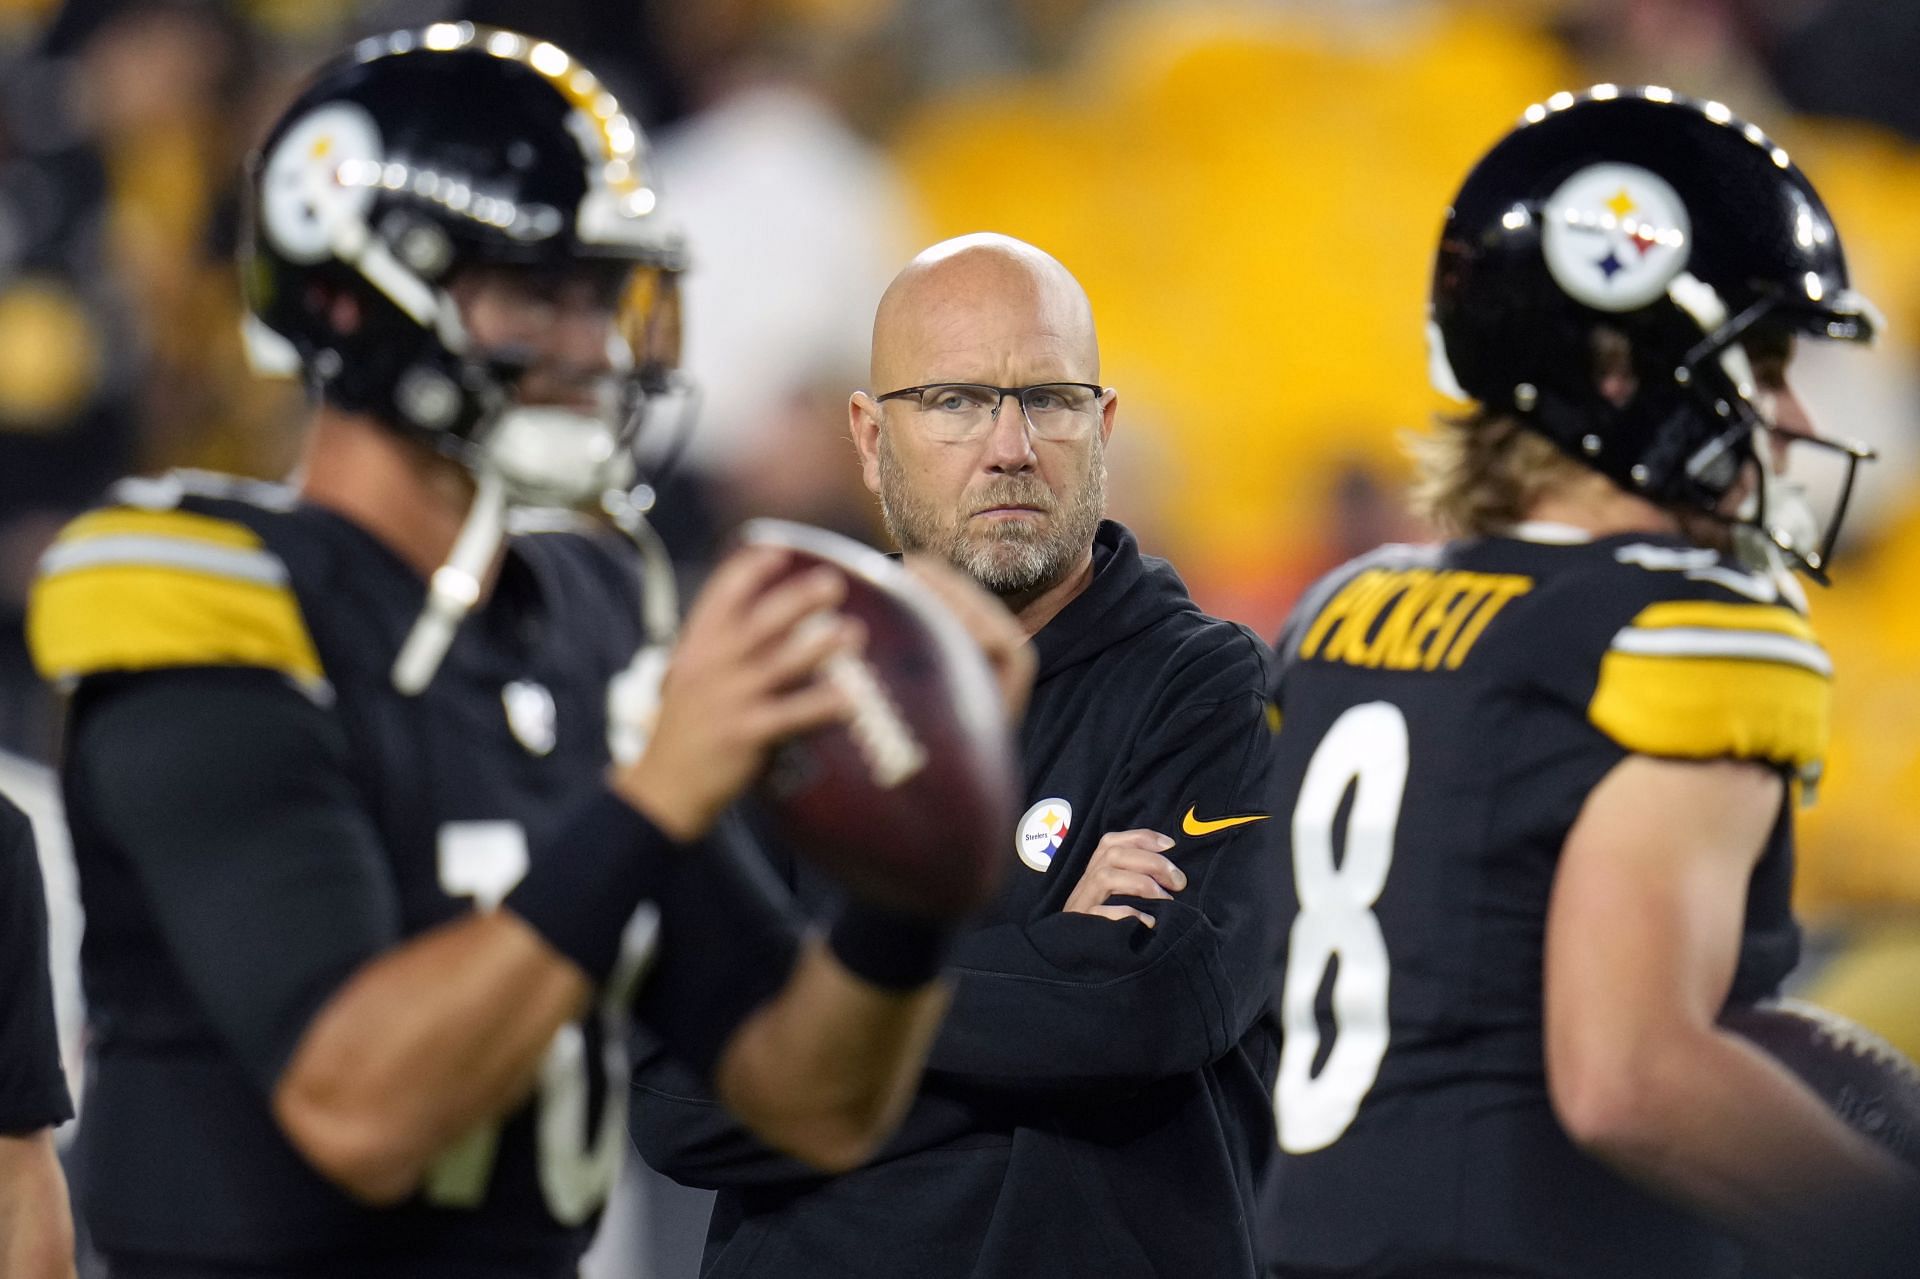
304, 193
1041, 832
1615, 236
531, 716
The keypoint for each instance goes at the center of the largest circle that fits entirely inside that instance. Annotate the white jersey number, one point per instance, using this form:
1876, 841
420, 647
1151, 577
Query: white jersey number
1365, 751
483, 861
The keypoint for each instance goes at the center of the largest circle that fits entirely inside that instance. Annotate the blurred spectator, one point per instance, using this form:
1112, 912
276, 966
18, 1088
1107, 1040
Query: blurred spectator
1852, 58
160, 87
948, 45
67, 369
795, 223
1704, 48
813, 474
1362, 505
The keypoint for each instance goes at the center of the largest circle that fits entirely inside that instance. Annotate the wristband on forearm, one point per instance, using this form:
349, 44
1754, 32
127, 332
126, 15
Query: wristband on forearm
893, 951
589, 878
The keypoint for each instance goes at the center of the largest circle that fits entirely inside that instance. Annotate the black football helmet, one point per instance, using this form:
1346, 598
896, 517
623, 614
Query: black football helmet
1680, 228
415, 157
423, 153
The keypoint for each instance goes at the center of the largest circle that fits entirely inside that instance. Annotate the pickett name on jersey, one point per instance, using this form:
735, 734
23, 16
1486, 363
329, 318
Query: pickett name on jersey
1410, 619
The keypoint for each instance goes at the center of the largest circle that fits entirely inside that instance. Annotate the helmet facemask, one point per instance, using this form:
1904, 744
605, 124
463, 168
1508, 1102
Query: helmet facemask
1781, 487
564, 438
548, 437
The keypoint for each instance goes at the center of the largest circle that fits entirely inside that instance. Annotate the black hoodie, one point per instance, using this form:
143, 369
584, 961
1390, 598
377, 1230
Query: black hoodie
1098, 1101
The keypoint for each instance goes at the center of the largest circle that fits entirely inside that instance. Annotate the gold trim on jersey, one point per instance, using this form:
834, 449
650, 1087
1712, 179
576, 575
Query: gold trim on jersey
127, 521
135, 590
1696, 679
1410, 619
1726, 615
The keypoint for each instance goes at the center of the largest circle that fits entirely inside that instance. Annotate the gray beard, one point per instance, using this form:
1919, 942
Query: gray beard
1011, 559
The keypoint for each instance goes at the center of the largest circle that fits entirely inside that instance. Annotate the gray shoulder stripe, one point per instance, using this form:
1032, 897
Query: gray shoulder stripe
166, 552
1763, 646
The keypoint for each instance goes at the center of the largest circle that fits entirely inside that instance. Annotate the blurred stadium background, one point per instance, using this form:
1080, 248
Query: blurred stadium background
1249, 189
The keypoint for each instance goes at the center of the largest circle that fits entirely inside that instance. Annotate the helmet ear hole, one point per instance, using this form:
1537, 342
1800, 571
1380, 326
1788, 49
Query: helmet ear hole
419, 243
1614, 375
344, 315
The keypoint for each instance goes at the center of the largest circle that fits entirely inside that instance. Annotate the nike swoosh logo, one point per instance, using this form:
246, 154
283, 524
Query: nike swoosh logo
1192, 825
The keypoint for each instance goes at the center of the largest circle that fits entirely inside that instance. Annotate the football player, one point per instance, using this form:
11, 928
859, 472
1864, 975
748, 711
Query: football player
1096, 1103
36, 1225
367, 903
1538, 781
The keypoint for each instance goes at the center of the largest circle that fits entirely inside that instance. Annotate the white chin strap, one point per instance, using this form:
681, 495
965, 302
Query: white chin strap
534, 456
455, 587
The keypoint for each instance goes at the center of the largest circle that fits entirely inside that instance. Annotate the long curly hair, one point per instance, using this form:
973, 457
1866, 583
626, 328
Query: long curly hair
1481, 472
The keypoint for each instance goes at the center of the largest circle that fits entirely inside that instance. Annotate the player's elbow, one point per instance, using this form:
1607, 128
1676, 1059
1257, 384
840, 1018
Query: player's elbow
356, 1150
1611, 1100
1603, 1117
837, 1140
834, 1130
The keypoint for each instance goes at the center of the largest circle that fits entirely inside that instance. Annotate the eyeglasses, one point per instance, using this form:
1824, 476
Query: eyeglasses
959, 412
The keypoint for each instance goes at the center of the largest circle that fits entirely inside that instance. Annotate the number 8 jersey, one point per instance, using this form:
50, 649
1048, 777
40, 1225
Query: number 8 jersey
1445, 712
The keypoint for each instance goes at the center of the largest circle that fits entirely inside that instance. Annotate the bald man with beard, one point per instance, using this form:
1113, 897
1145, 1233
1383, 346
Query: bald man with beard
1098, 1100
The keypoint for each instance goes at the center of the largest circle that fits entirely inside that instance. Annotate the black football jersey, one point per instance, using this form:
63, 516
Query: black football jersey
1445, 712
219, 622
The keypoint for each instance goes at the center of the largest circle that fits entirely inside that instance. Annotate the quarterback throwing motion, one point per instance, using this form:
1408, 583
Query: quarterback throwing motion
368, 903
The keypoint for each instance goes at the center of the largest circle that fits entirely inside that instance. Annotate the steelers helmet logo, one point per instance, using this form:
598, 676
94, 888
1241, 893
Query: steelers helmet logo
1041, 831
1615, 236
304, 191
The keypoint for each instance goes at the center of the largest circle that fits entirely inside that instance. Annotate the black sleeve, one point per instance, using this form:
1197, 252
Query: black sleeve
33, 1091
227, 792
1074, 997
729, 937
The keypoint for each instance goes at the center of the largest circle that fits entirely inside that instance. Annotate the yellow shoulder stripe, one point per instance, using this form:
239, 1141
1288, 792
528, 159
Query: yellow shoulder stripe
135, 590
1703, 679
127, 521
1725, 616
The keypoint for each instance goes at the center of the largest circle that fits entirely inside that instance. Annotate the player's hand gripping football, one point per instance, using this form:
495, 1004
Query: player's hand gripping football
1126, 863
992, 627
743, 677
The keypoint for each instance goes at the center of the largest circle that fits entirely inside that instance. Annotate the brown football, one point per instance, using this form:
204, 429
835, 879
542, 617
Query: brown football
1867, 1081
910, 805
